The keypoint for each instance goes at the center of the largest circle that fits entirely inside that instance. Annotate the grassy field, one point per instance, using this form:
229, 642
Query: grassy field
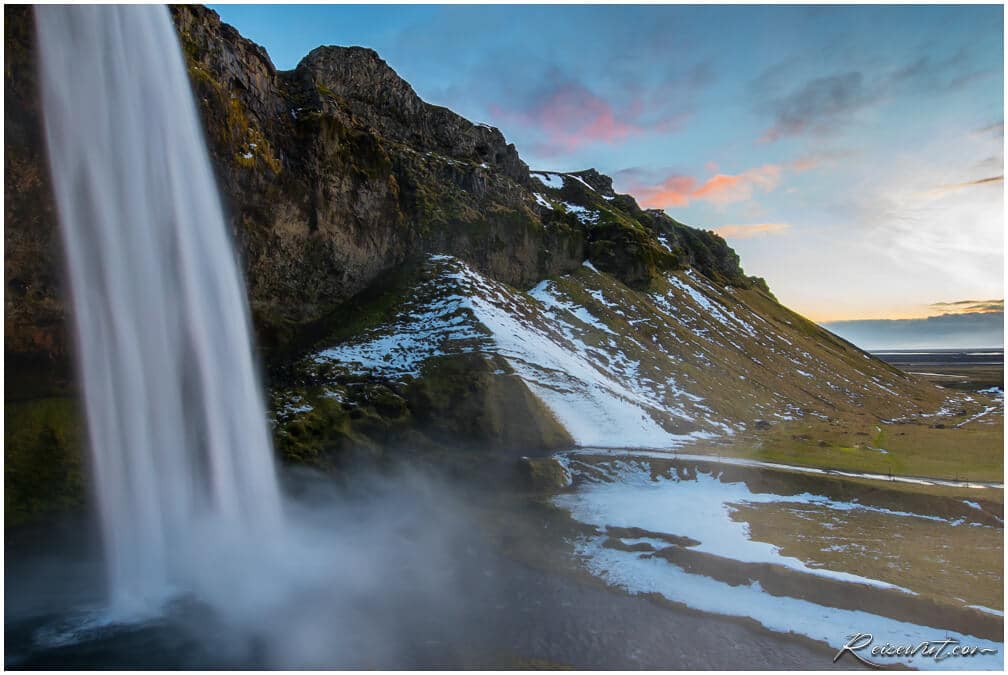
966, 378
959, 566
935, 447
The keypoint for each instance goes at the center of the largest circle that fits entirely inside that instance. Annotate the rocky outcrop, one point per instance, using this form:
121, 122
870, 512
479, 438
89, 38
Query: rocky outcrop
337, 171
332, 174
372, 92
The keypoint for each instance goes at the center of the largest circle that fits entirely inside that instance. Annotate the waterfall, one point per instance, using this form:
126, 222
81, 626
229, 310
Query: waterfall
181, 454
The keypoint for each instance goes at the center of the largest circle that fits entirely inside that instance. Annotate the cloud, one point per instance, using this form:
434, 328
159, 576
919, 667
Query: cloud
554, 102
953, 187
572, 116
819, 158
950, 331
969, 306
817, 105
751, 230
680, 190
821, 105
569, 115
995, 130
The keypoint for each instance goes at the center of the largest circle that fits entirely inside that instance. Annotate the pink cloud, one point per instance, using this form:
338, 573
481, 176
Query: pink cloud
570, 115
818, 159
751, 230
718, 189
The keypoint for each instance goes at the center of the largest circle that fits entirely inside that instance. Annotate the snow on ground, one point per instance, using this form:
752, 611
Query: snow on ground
624, 495
987, 610
702, 508
568, 338
592, 398
419, 334
986, 411
741, 461
546, 293
580, 180
722, 314
636, 574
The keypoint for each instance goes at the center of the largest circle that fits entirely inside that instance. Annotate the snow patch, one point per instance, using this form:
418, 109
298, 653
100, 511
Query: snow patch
549, 179
542, 201
580, 180
586, 216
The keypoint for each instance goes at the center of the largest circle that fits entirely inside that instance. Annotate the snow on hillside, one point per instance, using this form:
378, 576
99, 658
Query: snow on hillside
594, 392
618, 367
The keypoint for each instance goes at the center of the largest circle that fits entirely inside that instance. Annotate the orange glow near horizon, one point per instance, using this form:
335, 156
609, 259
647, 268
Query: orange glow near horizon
820, 315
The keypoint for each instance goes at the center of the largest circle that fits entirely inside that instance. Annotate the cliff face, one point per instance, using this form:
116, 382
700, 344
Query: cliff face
35, 336
336, 172
332, 174
415, 286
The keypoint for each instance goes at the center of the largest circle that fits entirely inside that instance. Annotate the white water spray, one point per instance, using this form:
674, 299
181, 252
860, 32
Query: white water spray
182, 459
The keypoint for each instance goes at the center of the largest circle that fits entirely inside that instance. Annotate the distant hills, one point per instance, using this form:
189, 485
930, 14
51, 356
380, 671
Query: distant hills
945, 331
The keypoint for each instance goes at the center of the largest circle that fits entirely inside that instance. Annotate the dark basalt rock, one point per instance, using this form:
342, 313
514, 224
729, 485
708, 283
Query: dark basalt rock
36, 342
600, 182
373, 93
331, 174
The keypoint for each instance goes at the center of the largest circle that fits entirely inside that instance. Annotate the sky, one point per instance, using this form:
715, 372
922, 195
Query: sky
961, 325
852, 155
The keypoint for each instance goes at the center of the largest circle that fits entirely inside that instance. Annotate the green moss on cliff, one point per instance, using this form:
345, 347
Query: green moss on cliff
43, 441
321, 430
461, 401
621, 246
367, 156
471, 397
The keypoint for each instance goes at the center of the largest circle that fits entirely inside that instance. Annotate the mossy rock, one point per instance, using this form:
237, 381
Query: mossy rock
475, 399
43, 449
624, 249
322, 435
332, 424
545, 473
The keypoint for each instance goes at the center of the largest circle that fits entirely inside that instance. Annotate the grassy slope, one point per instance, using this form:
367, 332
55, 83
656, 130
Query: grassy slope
735, 363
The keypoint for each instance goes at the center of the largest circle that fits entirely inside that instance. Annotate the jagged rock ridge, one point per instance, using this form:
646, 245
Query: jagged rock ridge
333, 174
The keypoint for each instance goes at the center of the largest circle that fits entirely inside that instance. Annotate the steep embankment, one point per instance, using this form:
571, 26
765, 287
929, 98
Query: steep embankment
436, 285
596, 363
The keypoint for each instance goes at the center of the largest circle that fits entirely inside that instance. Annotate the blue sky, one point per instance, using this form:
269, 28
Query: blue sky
852, 155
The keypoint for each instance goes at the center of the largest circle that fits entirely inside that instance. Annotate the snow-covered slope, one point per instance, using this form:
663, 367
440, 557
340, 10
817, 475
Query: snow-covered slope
620, 367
